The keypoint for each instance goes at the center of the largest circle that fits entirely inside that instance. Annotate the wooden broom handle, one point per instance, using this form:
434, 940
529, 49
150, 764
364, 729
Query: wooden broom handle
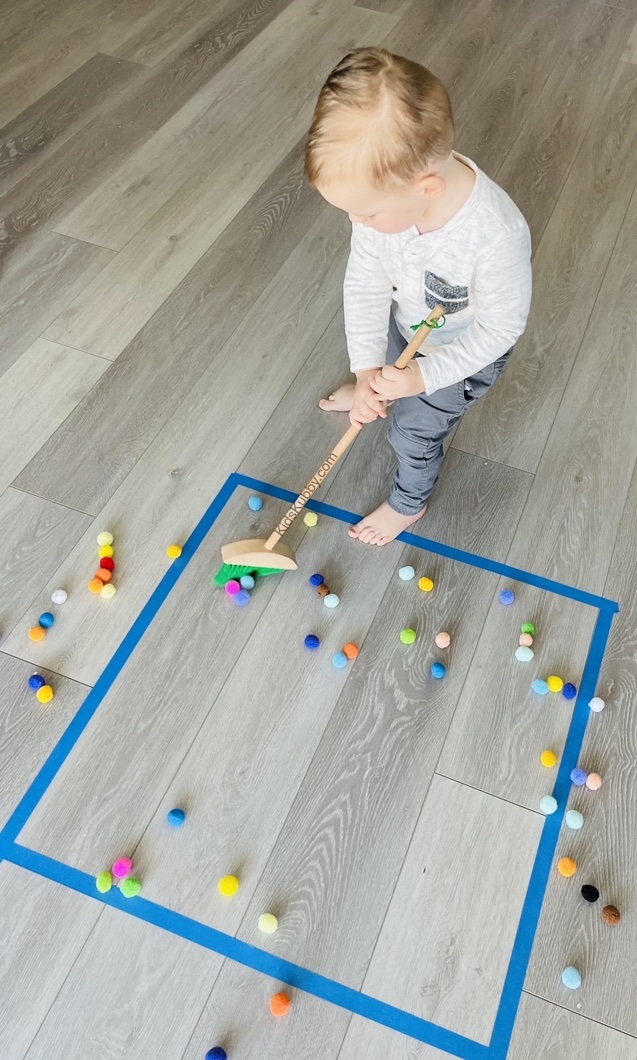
323, 471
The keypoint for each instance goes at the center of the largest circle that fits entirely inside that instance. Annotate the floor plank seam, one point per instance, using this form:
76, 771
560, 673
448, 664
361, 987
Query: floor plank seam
491, 794
49, 670
88, 243
48, 500
490, 460
582, 1015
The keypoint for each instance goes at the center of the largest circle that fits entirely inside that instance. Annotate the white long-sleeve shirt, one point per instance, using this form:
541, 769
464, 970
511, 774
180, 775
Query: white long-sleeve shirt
478, 266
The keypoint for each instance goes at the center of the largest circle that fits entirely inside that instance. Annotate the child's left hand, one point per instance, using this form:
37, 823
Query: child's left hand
392, 383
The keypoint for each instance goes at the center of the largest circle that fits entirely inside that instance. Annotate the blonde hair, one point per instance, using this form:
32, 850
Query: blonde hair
380, 116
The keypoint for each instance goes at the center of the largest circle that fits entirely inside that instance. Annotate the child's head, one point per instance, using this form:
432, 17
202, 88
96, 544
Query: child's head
380, 139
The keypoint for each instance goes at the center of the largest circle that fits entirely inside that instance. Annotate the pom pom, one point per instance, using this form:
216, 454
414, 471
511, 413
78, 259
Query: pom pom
540, 687
46, 620
105, 550
103, 575
311, 641
339, 660
176, 817
548, 805
571, 978
103, 882
232, 587
130, 887
228, 885
322, 590
173, 551
268, 923
611, 914
590, 893
523, 654
36, 681
566, 867
121, 867
310, 518
59, 596
437, 670
316, 579
548, 758
528, 627
107, 563
596, 704
406, 574
350, 650
574, 819
36, 633
578, 776
241, 598
443, 640
555, 684
279, 1004
569, 691
255, 504
105, 538
246, 581
216, 1053
95, 585
408, 636
507, 597
425, 584
44, 694
332, 600
107, 592
525, 640
593, 782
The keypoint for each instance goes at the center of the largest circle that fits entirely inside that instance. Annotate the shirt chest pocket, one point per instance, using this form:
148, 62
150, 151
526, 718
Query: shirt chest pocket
439, 292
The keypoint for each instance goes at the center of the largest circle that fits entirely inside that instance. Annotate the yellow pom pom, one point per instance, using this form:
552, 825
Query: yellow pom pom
555, 684
425, 584
228, 885
310, 518
548, 759
105, 550
44, 694
107, 591
173, 551
566, 867
105, 538
37, 633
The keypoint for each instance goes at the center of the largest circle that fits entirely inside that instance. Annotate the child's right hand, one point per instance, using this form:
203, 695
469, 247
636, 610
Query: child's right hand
367, 404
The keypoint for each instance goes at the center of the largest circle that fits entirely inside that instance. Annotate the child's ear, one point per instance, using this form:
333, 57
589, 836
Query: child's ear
431, 185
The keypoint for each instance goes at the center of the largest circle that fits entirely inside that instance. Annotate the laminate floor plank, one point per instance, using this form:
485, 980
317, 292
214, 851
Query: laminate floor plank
38, 392
630, 53
37, 132
549, 1032
38, 286
513, 423
35, 537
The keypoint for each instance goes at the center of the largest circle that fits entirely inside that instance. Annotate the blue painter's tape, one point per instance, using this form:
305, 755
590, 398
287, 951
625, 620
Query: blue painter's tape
250, 956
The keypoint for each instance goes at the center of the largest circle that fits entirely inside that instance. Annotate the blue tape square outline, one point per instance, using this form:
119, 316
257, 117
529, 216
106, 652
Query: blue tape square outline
259, 960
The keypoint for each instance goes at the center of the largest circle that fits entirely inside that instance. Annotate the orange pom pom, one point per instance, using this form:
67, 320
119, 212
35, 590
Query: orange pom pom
37, 633
566, 867
279, 1004
95, 585
103, 575
350, 650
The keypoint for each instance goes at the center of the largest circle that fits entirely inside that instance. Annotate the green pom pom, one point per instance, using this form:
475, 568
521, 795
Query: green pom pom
130, 887
103, 882
527, 627
408, 636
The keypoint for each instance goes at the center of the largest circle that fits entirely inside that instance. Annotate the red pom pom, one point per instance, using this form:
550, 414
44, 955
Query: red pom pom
107, 563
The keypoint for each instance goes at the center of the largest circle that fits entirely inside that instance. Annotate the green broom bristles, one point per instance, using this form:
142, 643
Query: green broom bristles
233, 570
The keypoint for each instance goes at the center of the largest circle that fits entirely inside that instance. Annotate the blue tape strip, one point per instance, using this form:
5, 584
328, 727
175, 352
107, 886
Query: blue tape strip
470, 558
518, 963
250, 956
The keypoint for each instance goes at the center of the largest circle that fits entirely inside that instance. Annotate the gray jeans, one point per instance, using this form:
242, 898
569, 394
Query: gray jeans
421, 423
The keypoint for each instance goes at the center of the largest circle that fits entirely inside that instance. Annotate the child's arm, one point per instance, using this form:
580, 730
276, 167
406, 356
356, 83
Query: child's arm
367, 295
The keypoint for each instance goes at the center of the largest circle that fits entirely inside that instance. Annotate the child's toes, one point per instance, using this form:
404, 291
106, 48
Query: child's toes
327, 404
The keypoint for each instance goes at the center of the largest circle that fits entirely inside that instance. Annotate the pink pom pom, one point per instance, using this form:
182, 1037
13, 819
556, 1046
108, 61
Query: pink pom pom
122, 867
593, 782
232, 587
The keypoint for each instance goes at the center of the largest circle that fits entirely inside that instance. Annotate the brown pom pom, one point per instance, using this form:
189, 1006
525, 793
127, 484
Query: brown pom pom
611, 915
322, 590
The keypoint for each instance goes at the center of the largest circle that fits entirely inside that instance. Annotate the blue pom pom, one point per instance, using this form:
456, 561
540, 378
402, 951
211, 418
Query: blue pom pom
255, 504
569, 691
506, 597
578, 776
316, 579
36, 681
311, 641
339, 660
175, 817
540, 686
46, 620
246, 581
216, 1054
437, 670
571, 978
241, 598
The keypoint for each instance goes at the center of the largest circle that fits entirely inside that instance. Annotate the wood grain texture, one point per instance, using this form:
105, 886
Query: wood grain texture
43, 928
35, 537
513, 423
36, 288
548, 1032
38, 392
629, 54
33, 135
374, 1042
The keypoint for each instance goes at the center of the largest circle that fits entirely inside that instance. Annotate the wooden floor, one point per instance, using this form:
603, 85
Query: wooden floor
170, 312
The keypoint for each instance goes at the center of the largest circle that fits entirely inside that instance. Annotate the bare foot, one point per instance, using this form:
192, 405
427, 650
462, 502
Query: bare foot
341, 400
383, 525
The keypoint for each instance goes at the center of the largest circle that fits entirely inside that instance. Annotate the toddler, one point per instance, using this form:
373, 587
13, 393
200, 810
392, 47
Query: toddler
428, 228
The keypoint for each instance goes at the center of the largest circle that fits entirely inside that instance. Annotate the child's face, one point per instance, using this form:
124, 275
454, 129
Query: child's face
389, 211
